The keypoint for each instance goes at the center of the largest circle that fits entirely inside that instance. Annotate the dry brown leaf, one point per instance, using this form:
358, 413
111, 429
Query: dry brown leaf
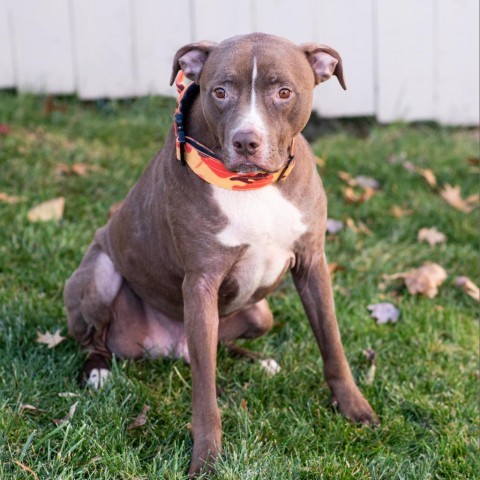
424, 280
346, 177
468, 287
5, 197
428, 175
431, 235
360, 228
243, 404
30, 408
473, 160
351, 196
49, 210
140, 420
453, 196
319, 161
399, 212
49, 339
26, 469
80, 169
335, 267
115, 207
67, 417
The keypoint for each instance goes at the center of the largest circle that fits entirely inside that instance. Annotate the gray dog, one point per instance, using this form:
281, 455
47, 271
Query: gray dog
231, 202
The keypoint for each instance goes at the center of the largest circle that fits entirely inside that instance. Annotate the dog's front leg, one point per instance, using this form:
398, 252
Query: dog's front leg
201, 322
312, 280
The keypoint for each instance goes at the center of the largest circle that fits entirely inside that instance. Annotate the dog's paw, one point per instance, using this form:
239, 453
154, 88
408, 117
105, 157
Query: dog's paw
95, 372
97, 378
356, 408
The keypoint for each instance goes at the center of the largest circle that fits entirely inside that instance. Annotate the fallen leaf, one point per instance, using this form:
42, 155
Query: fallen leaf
453, 197
5, 129
335, 267
114, 208
399, 212
371, 356
359, 181
346, 177
30, 408
49, 210
367, 182
428, 175
384, 312
51, 340
468, 287
431, 235
319, 161
80, 169
140, 420
243, 404
351, 196
360, 228
27, 469
67, 417
424, 280
473, 160
5, 197
334, 226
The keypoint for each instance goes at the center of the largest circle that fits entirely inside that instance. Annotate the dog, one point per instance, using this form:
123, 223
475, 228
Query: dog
229, 205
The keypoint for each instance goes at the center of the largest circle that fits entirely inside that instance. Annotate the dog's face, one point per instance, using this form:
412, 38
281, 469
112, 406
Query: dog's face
256, 94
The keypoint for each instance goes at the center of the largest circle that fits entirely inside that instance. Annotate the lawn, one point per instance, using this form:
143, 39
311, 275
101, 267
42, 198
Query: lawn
425, 389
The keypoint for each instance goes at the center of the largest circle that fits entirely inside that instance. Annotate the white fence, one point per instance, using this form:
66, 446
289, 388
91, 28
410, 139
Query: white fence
404, 59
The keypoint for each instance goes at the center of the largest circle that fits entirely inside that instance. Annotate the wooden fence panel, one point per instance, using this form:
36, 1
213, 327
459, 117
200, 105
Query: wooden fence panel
160, 29
347, 26
217, 19
405, 61
457, 62
7, 72
42, 46
106, 64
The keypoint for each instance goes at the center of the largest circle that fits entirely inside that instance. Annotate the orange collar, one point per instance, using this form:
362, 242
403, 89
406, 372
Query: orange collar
203, 161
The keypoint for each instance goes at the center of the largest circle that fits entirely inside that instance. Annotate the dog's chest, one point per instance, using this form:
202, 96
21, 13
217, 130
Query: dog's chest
269, 225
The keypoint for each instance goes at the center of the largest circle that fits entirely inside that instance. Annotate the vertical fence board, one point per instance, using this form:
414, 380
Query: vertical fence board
280, 17
405, 66
457, 62
7, 73
347, 26
217, 19
105, 50
43, 47
157, 38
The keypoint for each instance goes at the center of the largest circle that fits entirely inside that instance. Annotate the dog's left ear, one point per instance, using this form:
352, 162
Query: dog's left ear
325, 62
191, 59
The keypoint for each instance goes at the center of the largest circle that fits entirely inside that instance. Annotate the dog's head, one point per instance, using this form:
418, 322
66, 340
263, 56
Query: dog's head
256, 93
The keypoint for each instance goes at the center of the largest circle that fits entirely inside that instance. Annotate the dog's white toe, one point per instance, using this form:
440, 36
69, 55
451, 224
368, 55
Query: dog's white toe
98, 378
270, 366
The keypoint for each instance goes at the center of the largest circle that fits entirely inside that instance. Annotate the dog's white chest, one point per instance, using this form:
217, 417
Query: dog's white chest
269, 224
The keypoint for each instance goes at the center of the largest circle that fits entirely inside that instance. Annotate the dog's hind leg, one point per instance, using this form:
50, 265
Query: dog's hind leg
89, 294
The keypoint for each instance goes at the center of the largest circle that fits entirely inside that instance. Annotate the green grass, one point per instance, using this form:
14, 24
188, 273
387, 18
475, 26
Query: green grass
425, 389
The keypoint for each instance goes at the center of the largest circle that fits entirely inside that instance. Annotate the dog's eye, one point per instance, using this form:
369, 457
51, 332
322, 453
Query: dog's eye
220, 93
284, 93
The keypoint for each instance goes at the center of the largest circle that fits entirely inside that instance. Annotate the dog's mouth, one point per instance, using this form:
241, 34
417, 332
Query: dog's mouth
241, 164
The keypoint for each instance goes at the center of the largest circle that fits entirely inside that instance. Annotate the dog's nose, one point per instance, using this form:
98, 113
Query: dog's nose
246, 143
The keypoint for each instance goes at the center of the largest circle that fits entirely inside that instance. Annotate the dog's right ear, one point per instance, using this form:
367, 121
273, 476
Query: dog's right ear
191, 59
